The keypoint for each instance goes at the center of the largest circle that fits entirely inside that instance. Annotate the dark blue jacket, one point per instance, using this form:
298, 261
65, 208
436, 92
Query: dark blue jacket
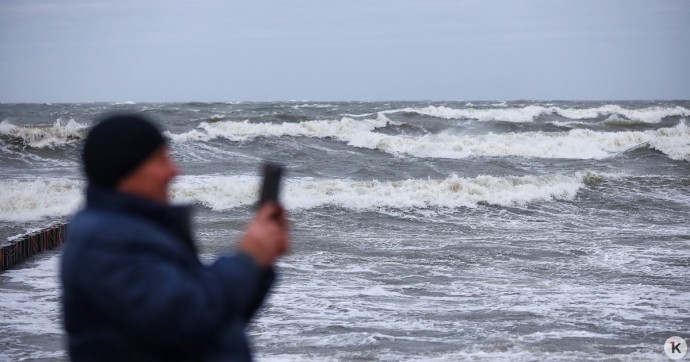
135, 290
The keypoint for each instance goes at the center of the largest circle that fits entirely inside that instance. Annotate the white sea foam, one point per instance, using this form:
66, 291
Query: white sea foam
530, 113
313, 105
33, 308
575, 144
521, 115
216, 192
320, 305
40, 136
225, 192
29, 308
23, 200
242, 131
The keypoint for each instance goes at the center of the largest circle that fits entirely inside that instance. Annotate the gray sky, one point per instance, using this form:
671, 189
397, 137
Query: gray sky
262, 50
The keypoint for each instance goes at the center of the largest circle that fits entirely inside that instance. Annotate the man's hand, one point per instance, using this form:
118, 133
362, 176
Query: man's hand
266, 238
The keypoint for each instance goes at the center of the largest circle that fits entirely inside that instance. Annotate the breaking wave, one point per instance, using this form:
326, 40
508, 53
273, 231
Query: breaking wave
41, 136
226, 192
574, 144
24, 200
530, 113
242, 131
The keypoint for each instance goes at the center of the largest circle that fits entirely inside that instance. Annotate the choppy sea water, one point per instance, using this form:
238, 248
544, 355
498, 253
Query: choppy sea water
435, 231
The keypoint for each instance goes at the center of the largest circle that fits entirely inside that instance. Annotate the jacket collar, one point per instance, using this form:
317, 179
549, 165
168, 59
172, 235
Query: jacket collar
175, 219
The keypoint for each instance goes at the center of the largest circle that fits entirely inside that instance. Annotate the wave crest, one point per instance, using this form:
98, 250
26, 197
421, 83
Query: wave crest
41, 136
574, 144
243, 131
220, 193
530, 113
23, 200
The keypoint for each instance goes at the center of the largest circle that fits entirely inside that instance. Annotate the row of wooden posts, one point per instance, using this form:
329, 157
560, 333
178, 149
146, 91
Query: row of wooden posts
31, 244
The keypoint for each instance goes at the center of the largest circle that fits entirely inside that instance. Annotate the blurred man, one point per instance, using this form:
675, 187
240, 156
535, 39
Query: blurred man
133, 286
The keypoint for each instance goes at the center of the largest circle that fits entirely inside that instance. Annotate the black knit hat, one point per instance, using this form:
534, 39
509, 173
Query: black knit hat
116, 145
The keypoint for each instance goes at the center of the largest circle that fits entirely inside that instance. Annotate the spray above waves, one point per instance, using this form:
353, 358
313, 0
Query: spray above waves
41, 136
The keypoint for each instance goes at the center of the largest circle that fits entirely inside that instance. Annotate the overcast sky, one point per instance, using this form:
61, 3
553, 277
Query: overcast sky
263, 50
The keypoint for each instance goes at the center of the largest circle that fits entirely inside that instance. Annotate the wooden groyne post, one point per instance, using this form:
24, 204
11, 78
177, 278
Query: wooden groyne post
31, 244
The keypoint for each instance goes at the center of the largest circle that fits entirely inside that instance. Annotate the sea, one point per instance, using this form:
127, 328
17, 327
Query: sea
422, 231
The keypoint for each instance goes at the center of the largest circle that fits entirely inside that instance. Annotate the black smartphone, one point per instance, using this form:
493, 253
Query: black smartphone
270, 190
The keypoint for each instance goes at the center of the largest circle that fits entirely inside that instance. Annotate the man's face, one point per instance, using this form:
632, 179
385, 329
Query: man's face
151, 180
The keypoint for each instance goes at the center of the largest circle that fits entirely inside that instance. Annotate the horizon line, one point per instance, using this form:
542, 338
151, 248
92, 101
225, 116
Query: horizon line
119, 102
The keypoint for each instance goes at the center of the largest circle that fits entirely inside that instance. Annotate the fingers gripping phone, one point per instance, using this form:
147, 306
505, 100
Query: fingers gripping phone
270, 190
